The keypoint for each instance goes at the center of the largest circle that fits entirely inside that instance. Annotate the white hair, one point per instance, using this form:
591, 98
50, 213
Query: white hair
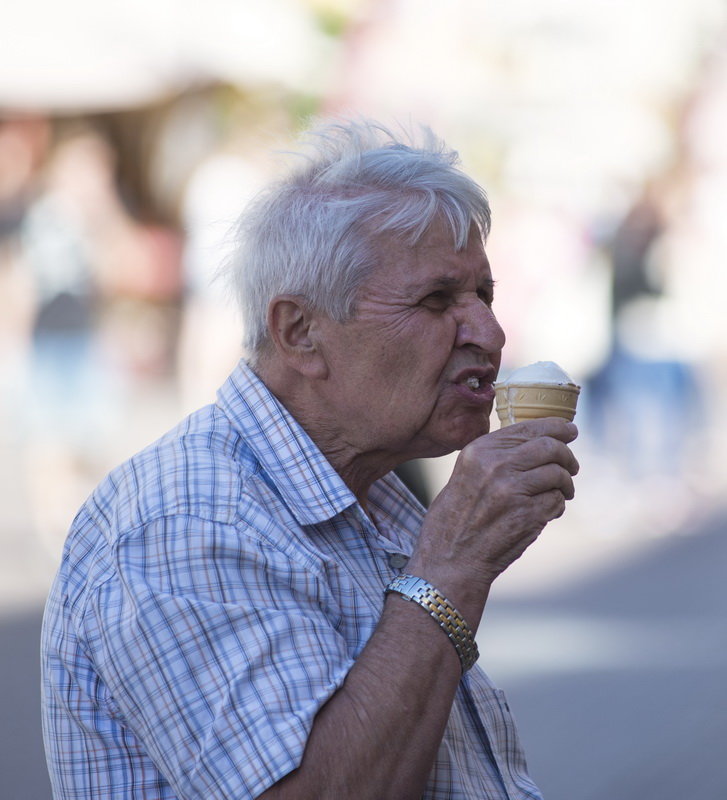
315, 233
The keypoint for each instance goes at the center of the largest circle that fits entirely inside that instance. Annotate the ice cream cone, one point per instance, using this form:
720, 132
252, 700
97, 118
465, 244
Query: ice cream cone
539, 390
517, 402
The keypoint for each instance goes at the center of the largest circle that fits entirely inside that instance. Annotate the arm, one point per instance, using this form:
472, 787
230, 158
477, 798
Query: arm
378, 735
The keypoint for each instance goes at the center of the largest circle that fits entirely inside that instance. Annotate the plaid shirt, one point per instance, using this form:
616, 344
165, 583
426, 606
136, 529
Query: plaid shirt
214, 592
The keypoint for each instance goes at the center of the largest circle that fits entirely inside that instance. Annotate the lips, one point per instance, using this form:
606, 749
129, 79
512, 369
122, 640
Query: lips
475, 378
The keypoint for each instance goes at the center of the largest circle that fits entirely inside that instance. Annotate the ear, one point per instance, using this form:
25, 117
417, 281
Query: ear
293, 325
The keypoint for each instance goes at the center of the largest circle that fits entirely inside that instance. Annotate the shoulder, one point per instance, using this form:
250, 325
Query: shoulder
200, 469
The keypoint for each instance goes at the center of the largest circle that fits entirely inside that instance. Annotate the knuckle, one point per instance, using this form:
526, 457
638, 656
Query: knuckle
557, 502
474, 456
561, 453
553, 474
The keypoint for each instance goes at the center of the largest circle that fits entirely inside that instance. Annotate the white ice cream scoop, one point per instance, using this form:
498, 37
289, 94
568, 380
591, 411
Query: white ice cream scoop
545, 372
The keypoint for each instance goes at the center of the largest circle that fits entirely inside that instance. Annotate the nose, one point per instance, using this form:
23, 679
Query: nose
478, 326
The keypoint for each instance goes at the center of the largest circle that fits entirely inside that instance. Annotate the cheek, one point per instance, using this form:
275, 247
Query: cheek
438, 346
436, 338
421, 368
414, 357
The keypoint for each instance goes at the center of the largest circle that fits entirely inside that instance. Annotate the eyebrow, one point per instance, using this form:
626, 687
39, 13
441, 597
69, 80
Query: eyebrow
447, 282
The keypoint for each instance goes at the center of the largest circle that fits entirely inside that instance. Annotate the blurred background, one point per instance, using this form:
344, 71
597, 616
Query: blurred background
131, 136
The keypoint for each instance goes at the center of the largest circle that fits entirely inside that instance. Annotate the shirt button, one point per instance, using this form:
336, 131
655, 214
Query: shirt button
398, 560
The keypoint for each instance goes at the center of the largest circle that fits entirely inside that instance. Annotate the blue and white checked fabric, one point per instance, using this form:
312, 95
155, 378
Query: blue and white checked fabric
214, 592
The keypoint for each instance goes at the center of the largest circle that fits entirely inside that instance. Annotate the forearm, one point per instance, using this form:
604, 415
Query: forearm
377, 737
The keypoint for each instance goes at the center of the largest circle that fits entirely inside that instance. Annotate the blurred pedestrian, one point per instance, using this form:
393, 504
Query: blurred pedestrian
67, 405
646, 397
24, 143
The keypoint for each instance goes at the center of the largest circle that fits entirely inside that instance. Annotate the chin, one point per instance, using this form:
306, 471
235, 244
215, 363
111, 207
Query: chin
452, 433
481, 431
457, 440
465, 440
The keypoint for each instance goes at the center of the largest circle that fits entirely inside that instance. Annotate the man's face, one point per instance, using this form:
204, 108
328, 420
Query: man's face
411, 374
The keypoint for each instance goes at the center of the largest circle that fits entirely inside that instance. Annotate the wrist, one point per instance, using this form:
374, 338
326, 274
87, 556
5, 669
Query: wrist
443, 612
466, 589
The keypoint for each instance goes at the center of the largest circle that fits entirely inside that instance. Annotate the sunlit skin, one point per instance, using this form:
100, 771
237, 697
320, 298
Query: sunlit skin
397, 373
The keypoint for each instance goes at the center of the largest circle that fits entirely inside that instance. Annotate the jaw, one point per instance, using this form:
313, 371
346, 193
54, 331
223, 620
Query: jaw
451, 421
448, 432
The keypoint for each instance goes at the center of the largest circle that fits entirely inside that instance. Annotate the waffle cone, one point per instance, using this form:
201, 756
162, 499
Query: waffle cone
518, 402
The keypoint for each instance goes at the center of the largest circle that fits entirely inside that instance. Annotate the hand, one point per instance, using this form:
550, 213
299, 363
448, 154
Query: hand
505, 487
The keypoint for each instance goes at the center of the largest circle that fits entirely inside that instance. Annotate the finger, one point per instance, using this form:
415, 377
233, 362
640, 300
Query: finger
545, 450
546, 506
556, 427
547, 478
554, 503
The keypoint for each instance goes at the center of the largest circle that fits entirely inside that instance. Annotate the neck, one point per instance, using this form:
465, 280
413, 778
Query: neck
310, 407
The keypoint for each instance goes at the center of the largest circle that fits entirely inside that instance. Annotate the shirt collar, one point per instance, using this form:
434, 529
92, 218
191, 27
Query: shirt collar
313, 490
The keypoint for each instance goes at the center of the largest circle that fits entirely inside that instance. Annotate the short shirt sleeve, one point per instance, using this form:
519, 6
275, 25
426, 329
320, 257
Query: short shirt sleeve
218, 651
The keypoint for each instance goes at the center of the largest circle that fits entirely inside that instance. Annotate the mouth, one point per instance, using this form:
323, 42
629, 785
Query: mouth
476, 382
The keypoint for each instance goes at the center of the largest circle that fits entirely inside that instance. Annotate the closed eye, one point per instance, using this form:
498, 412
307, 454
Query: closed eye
486, 293
437, 301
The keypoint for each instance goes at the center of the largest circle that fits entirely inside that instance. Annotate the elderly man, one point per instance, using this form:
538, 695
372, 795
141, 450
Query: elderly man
255, 606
